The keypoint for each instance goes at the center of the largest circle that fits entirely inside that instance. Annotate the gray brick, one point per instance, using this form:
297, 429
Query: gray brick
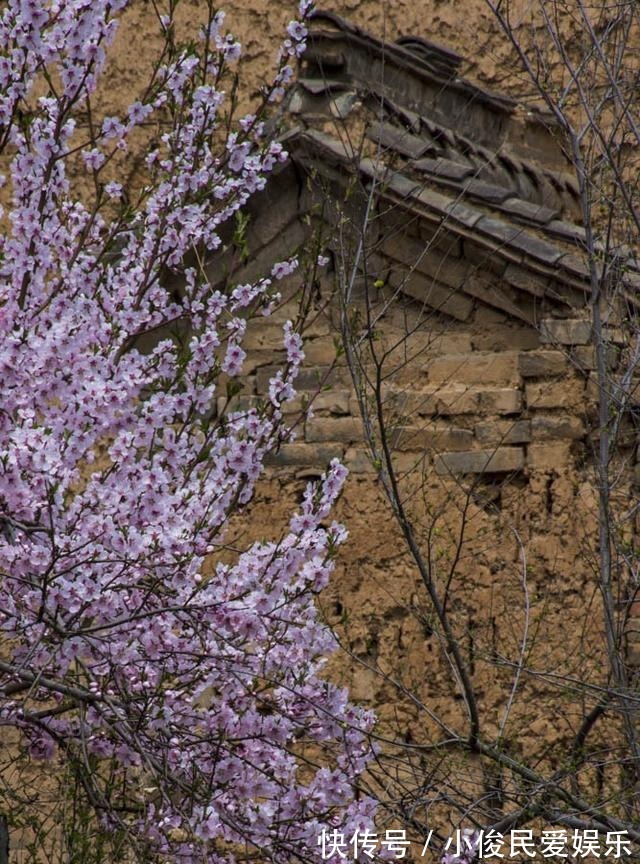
358, 461
498, 367
333, 401
334, 429
501, 400
444, 437
567, 230
555, 456
305, 454
417, 254
311, 379
546, 428
578, 265
500, 460
542, 364
521, 239
585, 356
565, 332
503, 432
555, 394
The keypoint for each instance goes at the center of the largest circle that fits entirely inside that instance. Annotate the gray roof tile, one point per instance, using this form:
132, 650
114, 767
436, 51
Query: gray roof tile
329, 144
567, 230
489, 192
534, 246
462, 213
403, 186
432, 199
446, 168
576, 264
520, 239
528, 211
400, 140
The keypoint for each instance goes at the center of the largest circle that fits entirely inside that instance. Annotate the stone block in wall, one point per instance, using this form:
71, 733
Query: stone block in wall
318, 324
256, 359
444, 437
499, 460
503, 432
565, 332
616, 335
480, 256
406, 464
237, 403
321, 352
542, 364
460, 399
585, 357
476, 368
358, 461
263, 335
332, 401
305, 454
550, 427
487, 317
344, 429
281, 246
633, 649
447, 400
501, 400
417, 344
506, 339
450, 343
313, 378
243, 386
554, 394
546, 457
397, 402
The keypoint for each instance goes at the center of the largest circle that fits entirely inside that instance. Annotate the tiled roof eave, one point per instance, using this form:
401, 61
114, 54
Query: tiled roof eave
511, 241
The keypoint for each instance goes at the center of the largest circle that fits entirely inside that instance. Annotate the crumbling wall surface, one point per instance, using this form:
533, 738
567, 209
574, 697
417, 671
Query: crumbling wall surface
260, 25
395, 661
468, 28
488, 426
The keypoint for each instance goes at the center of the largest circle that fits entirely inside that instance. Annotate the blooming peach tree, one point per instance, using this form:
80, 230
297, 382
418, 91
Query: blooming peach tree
128, 641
